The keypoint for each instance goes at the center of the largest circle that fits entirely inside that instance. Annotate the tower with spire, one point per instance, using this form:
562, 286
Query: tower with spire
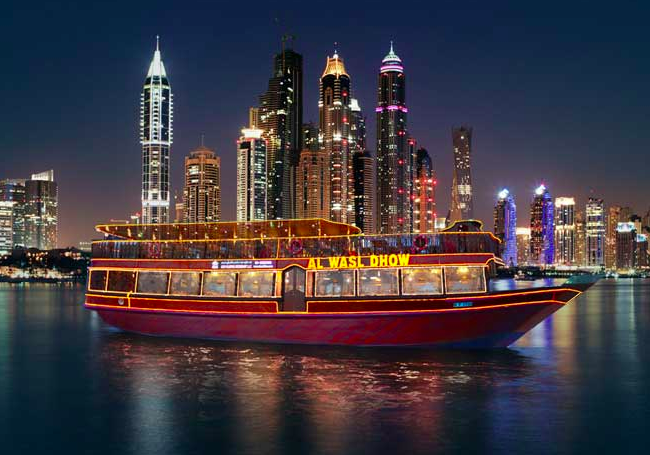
334, 136
156, 118
394, 162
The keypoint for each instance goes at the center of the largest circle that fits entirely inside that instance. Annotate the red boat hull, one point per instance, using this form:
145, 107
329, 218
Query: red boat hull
495, 326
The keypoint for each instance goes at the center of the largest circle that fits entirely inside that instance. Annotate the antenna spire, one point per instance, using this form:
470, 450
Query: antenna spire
158, 43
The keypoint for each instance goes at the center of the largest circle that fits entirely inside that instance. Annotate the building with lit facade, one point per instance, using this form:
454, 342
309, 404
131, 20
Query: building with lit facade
334, 135
393, 160
523, 246
581, 242
312, 184
156, 136
565, 231
595, 233
6, 226
423, 198
541, 228
202, 191
41, 211
279, 116
12, 191
641, 253
252, 197
310, 137
505, 227
616, 214
462, 206
626, 248
361, 178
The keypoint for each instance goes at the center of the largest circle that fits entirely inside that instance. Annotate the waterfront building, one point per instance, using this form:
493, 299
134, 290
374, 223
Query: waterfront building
461, 189
363, 171
641, 253
565, 231
393, 159
334, 135
41, 211
505, 227
280, 118
595, 233
6, 226
541, 228
626, 249
13, 192
616, 214
523, 246
423, 194
156, 136
252, 174
312, 185
581, 243
202, 192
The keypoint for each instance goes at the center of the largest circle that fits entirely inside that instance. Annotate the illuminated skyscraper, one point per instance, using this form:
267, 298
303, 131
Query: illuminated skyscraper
541, 228
41, 211
461, 189
312, 185
361, 178
6, 226
393, 163
156, 135
565, 231
505, 227
616, 214
280, 118
334, 135
423, 193
595, 233
251, 176
202, 192
12, 191
523, 246
626, 248
581, 243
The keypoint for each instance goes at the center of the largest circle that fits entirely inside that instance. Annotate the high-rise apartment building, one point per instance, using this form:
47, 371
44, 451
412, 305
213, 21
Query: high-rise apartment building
202, 191
581, 243
615, 215
541, 228
595, 233
12, 191
423, 198
393, 161
6, 226
523, 246
626, 248
565, 231
462, 207
505, 227
252, 197
156, 136
41, 211
363, 171
312, 188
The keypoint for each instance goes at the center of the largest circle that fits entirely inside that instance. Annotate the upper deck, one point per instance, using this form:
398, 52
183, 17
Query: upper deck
282, 239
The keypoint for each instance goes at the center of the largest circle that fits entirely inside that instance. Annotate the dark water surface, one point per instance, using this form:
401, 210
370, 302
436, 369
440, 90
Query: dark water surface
578, 383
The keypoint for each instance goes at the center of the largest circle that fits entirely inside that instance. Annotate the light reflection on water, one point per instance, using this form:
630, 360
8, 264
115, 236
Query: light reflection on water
69, 382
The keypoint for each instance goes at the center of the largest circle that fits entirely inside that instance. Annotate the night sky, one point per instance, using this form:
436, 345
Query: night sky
555, 92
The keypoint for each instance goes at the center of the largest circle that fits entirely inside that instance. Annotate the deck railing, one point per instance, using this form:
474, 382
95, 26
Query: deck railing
441, 243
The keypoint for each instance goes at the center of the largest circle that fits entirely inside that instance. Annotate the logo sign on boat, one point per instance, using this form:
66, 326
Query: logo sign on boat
354, 262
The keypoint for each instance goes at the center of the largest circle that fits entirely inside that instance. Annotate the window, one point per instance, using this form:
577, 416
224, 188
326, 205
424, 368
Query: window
378, 282
334, 283
185, 283
152, 282
121, 281
421, 280
97, 280
463, 279
219, 283
256, 284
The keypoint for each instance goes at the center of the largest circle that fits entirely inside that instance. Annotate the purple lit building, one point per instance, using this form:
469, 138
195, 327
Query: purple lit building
542, 248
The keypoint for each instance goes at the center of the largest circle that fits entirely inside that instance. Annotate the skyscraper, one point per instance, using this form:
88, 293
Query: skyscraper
12, 191
581, 243
505, 227
202, 192
41, 211
280, 118
252, 176
461, 187
156, 135
312, 184
393, 171
565, 231
334, 136
595, 233
523, 246
423, 194
616, 214
363, 170
541, 228
6, 226
626, 248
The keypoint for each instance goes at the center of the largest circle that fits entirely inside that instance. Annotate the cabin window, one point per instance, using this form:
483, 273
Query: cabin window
185, 283
256, 284
378, 282
152, 282
219, 284
121, 281
334, 283
421, 280
463, 279
97, 280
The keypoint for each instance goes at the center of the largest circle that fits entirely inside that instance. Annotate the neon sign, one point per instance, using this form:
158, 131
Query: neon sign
353, 262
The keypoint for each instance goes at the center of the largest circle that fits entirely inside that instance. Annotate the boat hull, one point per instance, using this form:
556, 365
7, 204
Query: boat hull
496, 326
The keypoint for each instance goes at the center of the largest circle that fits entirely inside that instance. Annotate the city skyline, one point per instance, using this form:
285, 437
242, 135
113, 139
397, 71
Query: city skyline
502, 127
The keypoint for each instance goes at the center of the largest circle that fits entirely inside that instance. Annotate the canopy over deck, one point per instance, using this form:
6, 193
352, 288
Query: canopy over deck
231, 230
